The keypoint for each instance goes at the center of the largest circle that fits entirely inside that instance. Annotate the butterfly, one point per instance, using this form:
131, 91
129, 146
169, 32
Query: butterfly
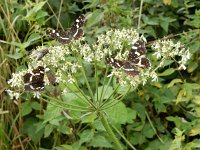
65, 37
136, 58
35, 79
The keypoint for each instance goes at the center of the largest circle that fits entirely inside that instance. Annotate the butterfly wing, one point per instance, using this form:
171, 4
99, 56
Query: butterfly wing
130, 69
114, 62
137, 55
126, 66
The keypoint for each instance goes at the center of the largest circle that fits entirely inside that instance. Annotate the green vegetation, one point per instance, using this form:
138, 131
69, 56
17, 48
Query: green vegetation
90, 109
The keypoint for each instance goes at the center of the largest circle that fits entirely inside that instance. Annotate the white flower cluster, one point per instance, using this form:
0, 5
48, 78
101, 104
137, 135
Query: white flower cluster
167, 49
66, 60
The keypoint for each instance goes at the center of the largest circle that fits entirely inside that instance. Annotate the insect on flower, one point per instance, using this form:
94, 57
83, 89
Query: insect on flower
65, 37
136, 58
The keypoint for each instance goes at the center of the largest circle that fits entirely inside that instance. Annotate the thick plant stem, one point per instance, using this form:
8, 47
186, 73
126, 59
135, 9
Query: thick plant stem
110, 132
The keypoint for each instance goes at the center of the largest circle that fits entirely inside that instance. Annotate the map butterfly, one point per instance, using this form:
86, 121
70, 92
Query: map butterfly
35, 79
136, 58
65, 37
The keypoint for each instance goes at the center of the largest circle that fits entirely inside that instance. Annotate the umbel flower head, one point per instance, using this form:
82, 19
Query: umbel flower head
167, 49
123, 50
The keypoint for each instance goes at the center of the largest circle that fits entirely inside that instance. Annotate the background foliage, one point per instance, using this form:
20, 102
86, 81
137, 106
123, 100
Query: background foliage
159, 115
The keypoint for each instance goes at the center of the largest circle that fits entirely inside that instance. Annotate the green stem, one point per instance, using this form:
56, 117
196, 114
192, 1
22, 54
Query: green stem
110, 133
123, 137
104, 80
64, 105
97, 82
113, 102
87, 83
154, 128
108, 99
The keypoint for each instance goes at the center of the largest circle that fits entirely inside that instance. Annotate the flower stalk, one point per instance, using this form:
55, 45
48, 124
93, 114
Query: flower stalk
111, 134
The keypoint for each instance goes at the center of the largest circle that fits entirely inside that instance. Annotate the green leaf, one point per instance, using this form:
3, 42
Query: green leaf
65, 129
64, 147
192, 66
148, 131
166, 72
16, 56
150, 21
35, 105
106, 94
94, 18
86, 136
90, 118
100, 141
176, 120
52, 114
33, 38
150, 30
41, 14
26, 108
164, 25
132, 114
30, 128
138, 138
117, 114
140, 110
37, 7
48, 129
174, 81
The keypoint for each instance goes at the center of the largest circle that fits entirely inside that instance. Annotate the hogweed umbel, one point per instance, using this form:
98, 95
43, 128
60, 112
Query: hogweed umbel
124, 50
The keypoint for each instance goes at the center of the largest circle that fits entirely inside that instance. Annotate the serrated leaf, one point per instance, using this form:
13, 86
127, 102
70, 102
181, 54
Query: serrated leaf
26, 108
104, 93
48, 129
132, 114
150, 30
94, 18
148, 131
100, 141
65, 129
41, 14
90, 118
52, 113
150, 21
166, 72
35, 105
117, 114
30, 128
86, 136
34, 10
164, 25
174, 81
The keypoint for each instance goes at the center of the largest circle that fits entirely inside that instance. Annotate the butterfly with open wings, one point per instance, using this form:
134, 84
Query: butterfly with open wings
136, 59
65, 37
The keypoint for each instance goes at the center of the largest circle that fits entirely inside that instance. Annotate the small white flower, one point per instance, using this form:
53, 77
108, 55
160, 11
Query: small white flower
70, 79
154, 76
36, 94
65, 91
13, 94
